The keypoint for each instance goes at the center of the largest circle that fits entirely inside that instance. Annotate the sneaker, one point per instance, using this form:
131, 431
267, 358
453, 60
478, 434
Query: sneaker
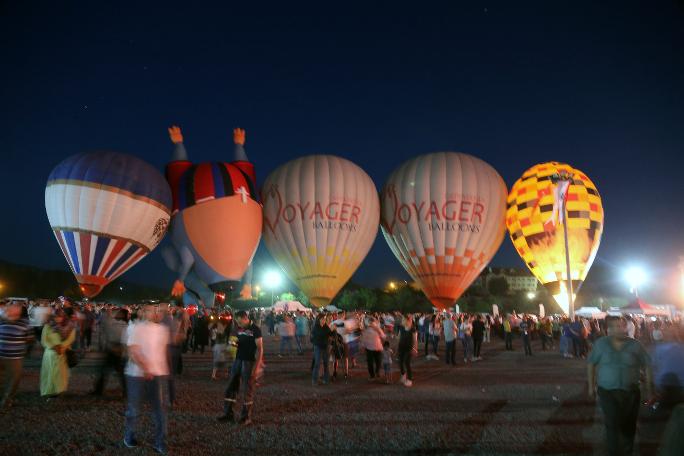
402, 379
130, 443
408, 383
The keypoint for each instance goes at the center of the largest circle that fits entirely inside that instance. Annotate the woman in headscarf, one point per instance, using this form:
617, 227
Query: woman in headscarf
58, 335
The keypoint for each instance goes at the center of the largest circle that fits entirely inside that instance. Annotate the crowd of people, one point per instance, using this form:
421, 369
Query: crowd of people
144, 346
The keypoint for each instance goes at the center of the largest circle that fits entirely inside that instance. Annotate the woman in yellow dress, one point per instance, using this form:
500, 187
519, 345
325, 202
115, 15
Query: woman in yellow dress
58, 335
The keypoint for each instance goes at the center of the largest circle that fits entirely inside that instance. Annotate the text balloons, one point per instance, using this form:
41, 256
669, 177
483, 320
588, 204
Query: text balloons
535, 222
443, 218
321, 217
107, 210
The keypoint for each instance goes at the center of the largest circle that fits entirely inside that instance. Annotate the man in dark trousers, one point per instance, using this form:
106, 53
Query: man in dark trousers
478, 336
619, 361
247, 367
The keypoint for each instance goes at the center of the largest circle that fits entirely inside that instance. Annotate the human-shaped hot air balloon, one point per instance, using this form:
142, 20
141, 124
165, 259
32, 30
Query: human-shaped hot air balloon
547, 201
108, 210
216, 218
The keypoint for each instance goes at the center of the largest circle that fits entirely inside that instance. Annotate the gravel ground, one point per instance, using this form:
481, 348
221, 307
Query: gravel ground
505, 404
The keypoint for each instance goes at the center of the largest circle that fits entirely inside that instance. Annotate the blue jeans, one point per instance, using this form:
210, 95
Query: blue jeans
299, 338
435, 344
241, 379
156, 392
451, 352
320, 357
286, 340
467, 342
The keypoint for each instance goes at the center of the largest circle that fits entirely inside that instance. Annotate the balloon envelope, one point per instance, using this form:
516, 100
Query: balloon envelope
219, 221
108, 211
536, 226
321, 217
443, 218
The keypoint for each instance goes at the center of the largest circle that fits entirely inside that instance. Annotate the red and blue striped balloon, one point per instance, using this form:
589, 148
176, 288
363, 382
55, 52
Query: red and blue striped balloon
108, 211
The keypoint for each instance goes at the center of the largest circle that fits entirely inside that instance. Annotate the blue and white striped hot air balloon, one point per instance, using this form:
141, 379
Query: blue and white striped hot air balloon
107, 210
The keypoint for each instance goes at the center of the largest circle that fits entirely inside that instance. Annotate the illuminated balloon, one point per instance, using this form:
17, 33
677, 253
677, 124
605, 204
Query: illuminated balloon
216, 222
443, 218
535, 223
321, 217
107, 210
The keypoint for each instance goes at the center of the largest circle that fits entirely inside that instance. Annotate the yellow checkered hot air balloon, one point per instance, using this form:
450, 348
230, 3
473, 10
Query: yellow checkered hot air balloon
546, 197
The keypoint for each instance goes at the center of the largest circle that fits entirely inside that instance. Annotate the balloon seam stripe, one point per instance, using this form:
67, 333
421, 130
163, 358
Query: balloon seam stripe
112, 189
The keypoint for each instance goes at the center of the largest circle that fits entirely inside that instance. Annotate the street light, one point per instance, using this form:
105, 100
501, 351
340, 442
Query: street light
393, 286
272, 279
635, 277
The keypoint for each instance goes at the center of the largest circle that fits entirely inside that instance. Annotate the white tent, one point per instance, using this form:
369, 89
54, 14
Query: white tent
590, 312
289, 306
331, 308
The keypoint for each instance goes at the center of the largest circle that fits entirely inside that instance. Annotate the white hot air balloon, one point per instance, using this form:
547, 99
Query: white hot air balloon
443, 217
321, 215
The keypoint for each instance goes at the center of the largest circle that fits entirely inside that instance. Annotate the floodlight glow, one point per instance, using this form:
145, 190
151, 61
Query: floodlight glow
272, 279
635, 277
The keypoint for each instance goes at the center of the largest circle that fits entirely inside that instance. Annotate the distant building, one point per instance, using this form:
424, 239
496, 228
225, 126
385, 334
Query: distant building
519, 280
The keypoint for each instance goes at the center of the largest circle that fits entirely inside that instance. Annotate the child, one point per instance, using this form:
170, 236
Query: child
387, 353
220, 350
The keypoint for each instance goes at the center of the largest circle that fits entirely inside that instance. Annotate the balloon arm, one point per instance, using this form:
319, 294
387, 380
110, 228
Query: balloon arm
179, 152
171, 258
239, 153
186, 263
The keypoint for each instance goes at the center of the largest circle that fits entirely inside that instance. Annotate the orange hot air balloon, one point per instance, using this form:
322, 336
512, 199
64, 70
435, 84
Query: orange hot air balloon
321, 216
535, 219
443, 217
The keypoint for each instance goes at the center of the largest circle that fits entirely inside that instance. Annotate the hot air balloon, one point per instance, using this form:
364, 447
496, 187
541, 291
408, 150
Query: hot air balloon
216, 218
546, 199
443, 218
321, 217
107, 210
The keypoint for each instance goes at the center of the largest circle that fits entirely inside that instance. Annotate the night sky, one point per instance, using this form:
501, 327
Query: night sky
514, 83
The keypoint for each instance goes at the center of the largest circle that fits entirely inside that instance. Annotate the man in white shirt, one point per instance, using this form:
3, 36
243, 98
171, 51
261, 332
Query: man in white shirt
631, 328
147, 374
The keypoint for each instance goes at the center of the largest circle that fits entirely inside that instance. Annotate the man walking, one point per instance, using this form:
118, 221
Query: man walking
15, 337
147, 376
450, 338
508, 333
478, 336
619, 361
525, 334
247, 367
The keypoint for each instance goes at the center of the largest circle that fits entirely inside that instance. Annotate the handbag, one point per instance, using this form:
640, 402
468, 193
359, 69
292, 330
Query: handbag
71, 357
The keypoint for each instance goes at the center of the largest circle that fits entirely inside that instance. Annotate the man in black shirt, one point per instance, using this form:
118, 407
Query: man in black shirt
320, 338
246, 369
478, 336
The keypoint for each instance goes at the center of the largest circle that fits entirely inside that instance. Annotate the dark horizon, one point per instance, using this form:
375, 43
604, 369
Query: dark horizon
598, 86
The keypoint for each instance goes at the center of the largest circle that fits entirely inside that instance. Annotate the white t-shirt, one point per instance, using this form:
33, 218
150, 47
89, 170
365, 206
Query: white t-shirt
153, 340
630, 329
339, 327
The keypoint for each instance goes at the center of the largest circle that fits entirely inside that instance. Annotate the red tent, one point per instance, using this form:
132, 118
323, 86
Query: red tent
639, 306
